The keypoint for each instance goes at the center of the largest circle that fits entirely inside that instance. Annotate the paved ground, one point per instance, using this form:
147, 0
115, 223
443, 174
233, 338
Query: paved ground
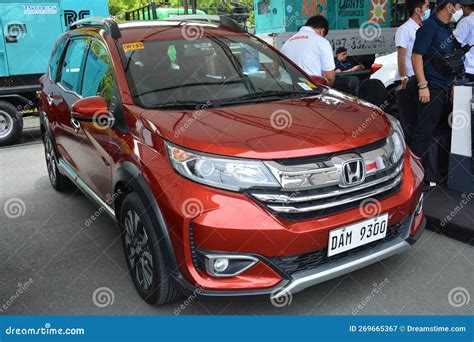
52, 263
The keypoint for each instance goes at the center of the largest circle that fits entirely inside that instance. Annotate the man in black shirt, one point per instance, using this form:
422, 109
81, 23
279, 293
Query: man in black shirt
433, 40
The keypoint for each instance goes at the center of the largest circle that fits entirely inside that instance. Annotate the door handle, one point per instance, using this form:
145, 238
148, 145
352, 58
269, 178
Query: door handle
50, 99
76, 124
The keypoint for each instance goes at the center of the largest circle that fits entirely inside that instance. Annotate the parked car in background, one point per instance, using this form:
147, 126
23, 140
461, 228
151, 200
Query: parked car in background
385, 69
229, 170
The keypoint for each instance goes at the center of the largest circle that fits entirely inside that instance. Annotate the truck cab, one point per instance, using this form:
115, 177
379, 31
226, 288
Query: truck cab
28, 32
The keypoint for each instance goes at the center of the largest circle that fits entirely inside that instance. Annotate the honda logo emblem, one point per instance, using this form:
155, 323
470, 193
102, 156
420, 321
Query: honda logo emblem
353, 172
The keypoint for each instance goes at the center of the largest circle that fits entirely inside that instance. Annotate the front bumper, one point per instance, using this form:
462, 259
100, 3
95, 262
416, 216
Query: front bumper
302, 280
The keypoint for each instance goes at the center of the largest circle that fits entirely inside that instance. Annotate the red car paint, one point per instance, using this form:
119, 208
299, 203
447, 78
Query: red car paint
230, 222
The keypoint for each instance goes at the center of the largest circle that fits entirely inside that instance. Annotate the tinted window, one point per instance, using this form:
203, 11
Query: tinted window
210, 69
98, 73
55, 60
72, 64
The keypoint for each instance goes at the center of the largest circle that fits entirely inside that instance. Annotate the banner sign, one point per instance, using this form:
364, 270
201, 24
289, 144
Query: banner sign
238, 328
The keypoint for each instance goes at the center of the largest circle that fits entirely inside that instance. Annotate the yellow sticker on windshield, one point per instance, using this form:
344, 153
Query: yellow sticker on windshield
311, 85
133, 46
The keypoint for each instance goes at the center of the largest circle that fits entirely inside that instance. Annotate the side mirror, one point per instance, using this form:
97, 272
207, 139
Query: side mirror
320, 80
92, 109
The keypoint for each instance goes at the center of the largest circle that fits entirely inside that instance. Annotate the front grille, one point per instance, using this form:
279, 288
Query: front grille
313, 189
304, 262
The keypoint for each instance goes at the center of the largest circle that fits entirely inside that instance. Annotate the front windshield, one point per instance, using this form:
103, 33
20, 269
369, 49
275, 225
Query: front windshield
213, 70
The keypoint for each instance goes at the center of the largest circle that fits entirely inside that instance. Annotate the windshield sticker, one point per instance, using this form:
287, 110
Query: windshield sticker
133, 46
305, 86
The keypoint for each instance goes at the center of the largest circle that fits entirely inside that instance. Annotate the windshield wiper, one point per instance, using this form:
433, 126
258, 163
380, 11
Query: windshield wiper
196, 105
271, 94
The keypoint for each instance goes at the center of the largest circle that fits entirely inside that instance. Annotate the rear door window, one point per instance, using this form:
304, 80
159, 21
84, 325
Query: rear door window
73, 64
55, 60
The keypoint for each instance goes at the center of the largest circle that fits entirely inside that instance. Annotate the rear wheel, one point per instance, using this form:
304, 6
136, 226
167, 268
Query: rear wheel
11, 124
58, 181
144, 257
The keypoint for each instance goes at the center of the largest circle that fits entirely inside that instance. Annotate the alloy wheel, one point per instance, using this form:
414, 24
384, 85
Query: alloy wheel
138, 249
50, 159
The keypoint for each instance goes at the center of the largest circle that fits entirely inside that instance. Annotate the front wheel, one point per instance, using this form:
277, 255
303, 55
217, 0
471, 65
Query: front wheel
143, 255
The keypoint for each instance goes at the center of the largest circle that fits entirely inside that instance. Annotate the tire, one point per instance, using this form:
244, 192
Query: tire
144, 258
58, 181
393, 102
11, 124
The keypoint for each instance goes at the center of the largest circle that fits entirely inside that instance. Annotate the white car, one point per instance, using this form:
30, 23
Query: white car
385, 69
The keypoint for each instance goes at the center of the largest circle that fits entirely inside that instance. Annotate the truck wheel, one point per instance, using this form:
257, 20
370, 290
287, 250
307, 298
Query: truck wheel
11, 123
144, 257
58, 181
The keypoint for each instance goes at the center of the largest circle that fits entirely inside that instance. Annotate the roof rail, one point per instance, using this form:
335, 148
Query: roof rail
222, 19
109, 24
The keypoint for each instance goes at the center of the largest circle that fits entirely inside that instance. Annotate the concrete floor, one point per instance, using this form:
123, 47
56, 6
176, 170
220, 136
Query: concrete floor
59, 263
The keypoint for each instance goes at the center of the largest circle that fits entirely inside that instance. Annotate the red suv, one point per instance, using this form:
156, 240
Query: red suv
230, 171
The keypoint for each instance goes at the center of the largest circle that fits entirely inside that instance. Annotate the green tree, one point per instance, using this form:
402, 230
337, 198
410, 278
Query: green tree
119, 7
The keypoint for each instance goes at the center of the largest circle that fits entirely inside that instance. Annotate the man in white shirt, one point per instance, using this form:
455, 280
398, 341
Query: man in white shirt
465, 35
419, 10
311, 51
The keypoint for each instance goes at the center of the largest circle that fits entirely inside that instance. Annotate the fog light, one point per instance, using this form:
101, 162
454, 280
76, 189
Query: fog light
220, 265
227, 265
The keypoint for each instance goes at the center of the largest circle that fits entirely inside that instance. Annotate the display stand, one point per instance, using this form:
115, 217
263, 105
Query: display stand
461, 161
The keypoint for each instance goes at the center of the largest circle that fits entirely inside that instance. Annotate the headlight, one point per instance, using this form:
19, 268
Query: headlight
221, 172
398, 139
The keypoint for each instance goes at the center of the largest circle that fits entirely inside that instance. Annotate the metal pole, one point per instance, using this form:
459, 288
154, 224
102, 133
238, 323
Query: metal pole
185, 5
194, 6
153, 11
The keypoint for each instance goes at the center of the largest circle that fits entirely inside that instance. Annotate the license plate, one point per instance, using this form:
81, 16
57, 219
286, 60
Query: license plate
356, 235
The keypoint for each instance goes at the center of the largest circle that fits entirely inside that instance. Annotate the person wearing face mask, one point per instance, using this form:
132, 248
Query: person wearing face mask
433, 44
311, 51
465, 35
419, 11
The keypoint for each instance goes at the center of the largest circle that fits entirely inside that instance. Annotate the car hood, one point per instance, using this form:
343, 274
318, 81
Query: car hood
321, 124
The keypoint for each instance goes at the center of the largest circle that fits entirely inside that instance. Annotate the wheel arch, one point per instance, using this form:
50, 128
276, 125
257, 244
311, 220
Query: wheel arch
129, 178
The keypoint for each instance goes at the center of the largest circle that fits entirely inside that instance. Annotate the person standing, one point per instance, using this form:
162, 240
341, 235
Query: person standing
419, 11
465, 36
311, 51
434, 42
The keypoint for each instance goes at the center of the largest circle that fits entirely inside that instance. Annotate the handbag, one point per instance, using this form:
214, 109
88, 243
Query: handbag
451, 64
